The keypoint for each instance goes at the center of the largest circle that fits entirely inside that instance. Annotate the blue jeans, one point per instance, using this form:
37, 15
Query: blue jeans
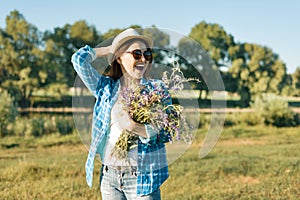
120, 184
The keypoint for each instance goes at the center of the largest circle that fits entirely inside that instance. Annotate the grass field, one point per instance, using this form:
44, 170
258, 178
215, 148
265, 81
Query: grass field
246, 163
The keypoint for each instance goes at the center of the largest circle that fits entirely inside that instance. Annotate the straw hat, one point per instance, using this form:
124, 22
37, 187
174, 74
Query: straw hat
123, 37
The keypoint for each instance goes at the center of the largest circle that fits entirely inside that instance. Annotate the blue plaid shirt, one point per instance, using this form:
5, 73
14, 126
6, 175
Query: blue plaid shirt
152, 166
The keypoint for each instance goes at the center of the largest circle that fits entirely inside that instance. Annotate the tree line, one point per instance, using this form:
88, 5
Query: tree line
32, 60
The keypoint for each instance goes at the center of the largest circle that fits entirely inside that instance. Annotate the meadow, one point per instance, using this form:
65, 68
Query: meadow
248, 162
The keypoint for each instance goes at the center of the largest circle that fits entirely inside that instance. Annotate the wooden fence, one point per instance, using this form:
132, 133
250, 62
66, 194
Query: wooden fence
89, 110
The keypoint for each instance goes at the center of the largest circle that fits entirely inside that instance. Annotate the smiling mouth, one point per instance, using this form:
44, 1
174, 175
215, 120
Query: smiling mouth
140, 67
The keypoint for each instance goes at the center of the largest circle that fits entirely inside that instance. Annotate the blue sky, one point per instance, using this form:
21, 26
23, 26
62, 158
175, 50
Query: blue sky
275, 24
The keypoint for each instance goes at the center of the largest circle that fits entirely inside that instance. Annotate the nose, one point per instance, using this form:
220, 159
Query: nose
143, 58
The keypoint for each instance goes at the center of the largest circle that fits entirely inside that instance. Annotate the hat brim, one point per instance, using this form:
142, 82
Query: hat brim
116, 46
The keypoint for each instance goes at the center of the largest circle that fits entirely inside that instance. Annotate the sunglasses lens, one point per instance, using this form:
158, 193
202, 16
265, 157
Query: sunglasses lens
148, 55
137, 54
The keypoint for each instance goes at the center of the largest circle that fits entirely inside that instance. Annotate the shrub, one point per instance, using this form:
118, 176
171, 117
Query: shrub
251, 119
20, 126
8, 111
204, 120
49, 125
64, 125
231, 120
41, 125
275, 111
37, 126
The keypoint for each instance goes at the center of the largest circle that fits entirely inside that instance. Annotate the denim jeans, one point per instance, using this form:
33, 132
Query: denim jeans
120, 184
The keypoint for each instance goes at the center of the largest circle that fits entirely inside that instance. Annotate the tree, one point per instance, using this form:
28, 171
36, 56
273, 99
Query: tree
257, 70
215, 40
62, 43
296, 82
59, 47
8, 111
81, 33
161, 50
195, 62
206, 50
160, 39
20, 55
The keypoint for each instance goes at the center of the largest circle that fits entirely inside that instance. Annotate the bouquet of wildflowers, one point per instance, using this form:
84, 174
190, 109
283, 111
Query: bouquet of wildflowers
151, 104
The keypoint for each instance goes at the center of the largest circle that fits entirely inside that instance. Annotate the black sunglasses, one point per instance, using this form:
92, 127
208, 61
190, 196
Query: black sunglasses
137, 54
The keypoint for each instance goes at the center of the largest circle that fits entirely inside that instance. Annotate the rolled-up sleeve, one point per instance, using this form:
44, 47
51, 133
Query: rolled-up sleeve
151, 134
81, 61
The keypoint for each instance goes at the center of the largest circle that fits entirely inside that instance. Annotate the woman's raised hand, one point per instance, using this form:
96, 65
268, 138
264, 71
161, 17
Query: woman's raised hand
102, 51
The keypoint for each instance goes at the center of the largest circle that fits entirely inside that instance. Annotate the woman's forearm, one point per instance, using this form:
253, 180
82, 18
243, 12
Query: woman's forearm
102, 51
81, 61
139, 129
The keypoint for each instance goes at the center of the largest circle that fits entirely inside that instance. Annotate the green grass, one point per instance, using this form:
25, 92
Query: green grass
247, 163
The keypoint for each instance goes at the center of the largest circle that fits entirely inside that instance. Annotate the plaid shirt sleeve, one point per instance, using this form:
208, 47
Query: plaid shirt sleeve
81, 61
96, 83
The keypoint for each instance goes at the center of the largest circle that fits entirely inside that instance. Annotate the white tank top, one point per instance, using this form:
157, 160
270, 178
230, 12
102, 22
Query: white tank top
111, 140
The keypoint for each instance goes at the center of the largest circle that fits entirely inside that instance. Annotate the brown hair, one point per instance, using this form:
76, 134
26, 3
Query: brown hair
115, 71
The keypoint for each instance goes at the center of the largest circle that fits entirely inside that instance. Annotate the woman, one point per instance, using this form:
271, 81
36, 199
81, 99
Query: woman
130, 57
